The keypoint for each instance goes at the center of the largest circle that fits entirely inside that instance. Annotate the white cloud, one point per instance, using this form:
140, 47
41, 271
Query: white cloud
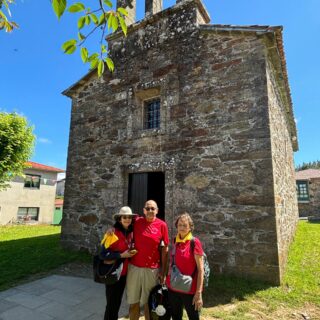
44, 140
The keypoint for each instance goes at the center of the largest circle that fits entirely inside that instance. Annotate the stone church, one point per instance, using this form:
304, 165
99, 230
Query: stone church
199, 118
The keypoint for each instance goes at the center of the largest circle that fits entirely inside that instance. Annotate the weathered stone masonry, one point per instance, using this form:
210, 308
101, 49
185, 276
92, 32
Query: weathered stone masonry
225, 140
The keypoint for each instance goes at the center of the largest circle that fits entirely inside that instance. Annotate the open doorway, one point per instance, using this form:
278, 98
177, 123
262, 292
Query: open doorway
146, 186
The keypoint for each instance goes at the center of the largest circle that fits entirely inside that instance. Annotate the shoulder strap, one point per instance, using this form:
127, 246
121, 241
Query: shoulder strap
192, 244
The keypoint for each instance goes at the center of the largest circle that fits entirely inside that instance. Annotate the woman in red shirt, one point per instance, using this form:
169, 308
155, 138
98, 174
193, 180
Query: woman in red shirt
116, 246
188, 257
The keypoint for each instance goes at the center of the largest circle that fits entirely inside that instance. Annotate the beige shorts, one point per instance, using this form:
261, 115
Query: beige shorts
140, 282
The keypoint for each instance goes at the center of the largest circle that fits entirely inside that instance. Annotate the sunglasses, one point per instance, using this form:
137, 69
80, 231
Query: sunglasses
126, 217
150, 209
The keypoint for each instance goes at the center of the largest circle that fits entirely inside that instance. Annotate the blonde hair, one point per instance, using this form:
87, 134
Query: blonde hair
185, 215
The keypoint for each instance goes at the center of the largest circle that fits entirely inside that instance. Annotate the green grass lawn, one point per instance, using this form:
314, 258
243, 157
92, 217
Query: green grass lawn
233, 299
27, 250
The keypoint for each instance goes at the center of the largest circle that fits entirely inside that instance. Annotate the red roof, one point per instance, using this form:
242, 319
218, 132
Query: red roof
58, 202
39, 166
307, 174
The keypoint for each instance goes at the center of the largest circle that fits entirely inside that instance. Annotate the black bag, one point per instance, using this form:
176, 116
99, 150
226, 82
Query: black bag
158, 303
106, 273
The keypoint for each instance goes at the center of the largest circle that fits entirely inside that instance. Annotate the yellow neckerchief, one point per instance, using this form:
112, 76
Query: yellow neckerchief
108, 240
186, 238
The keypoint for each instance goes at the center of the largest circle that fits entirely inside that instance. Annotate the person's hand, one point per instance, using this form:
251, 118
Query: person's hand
127, 254
197, 301
161, 278
110, 231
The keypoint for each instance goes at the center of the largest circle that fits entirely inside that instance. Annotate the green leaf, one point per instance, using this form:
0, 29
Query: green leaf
123, 11
108, 3
123, 25
103, 49
59, 6
76, 7
94, 56
110, 18
69, 46
100, 68
81, 22
94, 63
110, 64
94, 18
87, 20
80, 36
102, 19
84, 54
115, 23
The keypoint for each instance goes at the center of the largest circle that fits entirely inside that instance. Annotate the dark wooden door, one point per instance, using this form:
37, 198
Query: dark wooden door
146, 186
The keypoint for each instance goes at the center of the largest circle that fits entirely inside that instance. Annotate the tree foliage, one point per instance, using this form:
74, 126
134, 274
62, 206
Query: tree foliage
5, 23
102, 19
16, 146
309, 165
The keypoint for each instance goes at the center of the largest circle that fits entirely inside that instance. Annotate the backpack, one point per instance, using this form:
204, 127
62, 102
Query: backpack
158, 302
206, 266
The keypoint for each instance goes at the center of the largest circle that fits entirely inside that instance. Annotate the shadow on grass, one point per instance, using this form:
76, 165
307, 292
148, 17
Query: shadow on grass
24, 257
225, 289
314, 221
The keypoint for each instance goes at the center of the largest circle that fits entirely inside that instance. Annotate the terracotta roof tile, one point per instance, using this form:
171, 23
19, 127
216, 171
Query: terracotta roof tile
58, 202
307, 174
39, 166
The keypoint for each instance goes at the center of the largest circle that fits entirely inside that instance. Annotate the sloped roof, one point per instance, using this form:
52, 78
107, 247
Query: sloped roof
307, 174
42, 167
58, 202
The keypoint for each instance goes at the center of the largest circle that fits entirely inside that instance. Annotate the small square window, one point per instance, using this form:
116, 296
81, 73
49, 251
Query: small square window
152, 114
302, 191
32, 181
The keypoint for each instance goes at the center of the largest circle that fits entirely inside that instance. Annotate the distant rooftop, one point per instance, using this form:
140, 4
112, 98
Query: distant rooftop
308, 174
39, 166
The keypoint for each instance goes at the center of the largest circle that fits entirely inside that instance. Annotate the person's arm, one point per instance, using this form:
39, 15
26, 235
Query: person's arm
164, 261
107, 254
197, 299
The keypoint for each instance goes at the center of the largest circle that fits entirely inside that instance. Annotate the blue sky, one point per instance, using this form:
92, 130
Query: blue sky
34, 71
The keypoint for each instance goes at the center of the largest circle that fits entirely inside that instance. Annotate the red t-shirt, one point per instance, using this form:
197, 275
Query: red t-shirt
147, 237
121, 245
186, 263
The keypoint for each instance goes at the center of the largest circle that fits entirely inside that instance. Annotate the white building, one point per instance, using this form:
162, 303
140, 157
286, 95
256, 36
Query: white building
30, 198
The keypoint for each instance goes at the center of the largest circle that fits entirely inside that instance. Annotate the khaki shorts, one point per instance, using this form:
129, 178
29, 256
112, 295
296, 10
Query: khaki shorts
140, 282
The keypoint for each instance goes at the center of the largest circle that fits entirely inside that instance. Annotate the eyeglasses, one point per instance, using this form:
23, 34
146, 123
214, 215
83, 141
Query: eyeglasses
126, 217
150, 209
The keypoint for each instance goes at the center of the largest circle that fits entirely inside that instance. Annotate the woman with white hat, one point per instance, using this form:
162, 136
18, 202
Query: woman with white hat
114, 247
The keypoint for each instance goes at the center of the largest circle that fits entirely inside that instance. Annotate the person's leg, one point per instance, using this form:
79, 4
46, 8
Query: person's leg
134, 311
114, 297
176, 305
193, 314
146, 312
134, 284
149, 281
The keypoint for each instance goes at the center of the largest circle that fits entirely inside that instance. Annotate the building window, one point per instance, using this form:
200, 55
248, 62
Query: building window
152, 114
302, 191
28, 214
32, 181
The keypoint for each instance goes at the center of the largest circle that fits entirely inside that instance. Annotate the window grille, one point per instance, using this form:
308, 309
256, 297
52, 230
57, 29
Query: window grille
302, 191
152, 114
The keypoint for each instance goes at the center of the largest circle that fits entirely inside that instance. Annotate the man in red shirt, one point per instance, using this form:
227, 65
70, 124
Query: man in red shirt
149, 233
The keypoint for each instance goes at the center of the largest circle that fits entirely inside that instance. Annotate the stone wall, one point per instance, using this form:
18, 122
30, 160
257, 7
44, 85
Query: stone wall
213, 145
312, 207
283, 170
